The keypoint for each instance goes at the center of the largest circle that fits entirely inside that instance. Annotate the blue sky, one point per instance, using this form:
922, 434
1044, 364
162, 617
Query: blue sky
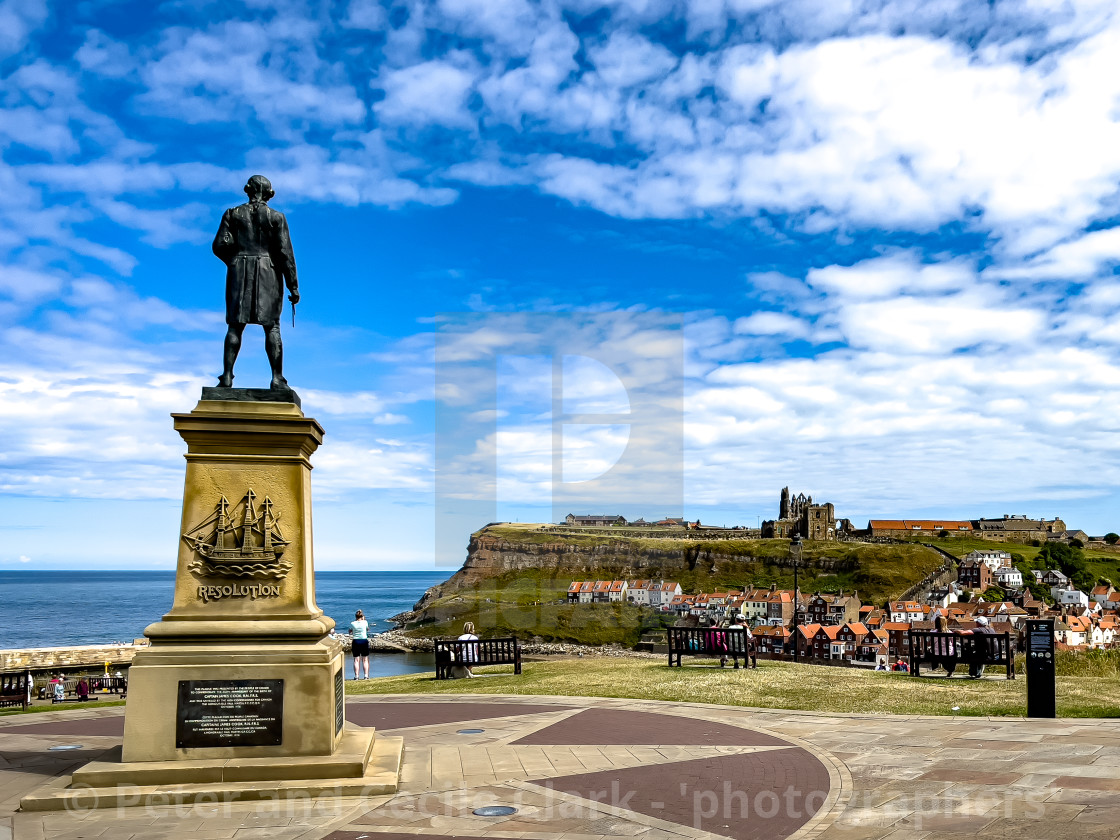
883, 236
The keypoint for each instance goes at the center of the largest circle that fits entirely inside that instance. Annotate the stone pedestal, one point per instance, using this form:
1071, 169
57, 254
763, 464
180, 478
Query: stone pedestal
242, 685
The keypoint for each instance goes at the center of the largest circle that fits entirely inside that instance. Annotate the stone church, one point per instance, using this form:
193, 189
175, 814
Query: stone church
798, 515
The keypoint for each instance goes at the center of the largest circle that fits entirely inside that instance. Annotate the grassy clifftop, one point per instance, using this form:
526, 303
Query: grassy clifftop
515, 575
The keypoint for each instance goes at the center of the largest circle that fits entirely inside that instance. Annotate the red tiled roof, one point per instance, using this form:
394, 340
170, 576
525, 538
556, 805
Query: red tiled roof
808, 630
921, 524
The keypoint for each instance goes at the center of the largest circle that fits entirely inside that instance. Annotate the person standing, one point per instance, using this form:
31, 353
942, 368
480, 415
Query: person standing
470, 652
359, 643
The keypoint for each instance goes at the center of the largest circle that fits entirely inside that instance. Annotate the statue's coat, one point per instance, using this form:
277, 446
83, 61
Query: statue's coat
254, 244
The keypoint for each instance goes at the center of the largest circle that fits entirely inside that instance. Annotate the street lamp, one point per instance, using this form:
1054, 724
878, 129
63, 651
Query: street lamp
795, 542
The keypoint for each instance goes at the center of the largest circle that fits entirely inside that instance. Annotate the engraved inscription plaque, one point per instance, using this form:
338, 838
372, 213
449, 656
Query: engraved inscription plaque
229, 713
339, 690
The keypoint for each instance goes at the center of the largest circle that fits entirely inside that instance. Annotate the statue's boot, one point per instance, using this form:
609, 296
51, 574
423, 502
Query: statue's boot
279, 383
225, 380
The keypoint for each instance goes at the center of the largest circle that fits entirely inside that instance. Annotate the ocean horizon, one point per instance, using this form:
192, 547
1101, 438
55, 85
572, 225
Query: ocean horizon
60, 608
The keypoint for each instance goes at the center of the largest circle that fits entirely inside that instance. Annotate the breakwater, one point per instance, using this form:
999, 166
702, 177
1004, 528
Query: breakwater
64, 658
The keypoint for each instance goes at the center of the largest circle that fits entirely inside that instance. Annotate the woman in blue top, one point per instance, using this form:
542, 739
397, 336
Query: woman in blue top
359, 634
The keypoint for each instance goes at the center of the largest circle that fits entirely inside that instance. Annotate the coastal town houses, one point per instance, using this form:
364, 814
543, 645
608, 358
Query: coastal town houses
579, 591
907, 611
896, 638
601, 592
1008, 577
653, 593
991, 558
832, 609
682, 604
1106, 596
638, 592
803, 637
1053, 578
1069, 596
942, 596
756, 607
822, 641
848, 640
771, 642
974, 574
1073, 631
779, 606
662, 592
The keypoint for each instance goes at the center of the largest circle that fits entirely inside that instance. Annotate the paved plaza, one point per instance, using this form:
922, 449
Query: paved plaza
588, 769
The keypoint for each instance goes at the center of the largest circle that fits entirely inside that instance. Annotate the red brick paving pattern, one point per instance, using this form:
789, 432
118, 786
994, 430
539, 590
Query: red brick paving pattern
757, 796
404, 715
381, 715
617, 727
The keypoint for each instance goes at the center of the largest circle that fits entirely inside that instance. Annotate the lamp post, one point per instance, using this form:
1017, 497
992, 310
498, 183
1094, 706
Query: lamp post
795, 542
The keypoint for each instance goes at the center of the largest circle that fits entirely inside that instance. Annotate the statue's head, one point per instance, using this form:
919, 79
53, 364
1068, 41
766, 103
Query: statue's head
259, 188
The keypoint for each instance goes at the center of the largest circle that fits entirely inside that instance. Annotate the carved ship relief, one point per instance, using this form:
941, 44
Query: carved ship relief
243, 542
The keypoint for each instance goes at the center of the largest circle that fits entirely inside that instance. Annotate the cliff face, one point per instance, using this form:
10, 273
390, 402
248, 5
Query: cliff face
490, 556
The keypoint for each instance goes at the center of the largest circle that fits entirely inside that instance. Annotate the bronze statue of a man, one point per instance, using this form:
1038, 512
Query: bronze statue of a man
254, 244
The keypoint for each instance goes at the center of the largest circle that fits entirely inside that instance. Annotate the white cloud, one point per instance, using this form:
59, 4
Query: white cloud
18, 20
938, 325
434, 92
365, 14
888, 276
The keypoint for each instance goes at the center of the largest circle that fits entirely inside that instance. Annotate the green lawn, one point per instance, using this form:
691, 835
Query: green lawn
776, 685
60, 707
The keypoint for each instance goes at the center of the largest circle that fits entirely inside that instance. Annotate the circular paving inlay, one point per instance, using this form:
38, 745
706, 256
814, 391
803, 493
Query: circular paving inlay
494, 811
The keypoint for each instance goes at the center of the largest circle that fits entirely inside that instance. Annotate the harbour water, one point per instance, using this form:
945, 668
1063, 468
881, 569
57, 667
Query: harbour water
58, 609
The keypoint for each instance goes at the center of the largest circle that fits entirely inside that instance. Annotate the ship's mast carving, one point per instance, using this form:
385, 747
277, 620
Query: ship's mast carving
242, 541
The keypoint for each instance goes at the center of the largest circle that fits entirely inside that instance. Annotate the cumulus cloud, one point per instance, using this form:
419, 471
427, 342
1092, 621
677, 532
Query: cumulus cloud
987, 133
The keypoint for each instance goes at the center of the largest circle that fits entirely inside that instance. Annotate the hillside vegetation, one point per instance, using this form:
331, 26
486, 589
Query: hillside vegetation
515, 576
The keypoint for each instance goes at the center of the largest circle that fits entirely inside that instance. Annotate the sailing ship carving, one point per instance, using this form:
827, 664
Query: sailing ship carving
242, 540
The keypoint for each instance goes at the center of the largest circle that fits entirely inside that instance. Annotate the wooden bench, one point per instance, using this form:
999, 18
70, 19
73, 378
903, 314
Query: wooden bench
971, 649
724, 643
13, 690
472, 654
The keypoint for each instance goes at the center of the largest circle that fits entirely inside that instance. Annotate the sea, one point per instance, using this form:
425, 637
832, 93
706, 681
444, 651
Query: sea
70, 608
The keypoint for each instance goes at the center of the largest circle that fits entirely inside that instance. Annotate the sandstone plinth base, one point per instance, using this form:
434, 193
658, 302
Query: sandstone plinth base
364, 765
241, 694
